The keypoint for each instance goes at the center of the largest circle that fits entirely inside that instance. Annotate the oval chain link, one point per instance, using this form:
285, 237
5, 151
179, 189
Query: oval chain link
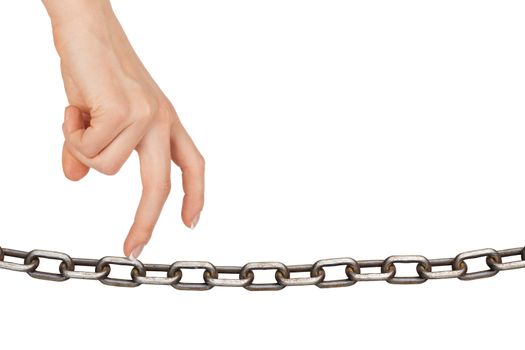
247, 271
35, 255
228, 282
434, 275
405, 259
318, 270
459, 262
105, 265
358, 276
83, 275
177, 267
299, 281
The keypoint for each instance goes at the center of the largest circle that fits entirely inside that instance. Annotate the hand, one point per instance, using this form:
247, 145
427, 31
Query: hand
116, 107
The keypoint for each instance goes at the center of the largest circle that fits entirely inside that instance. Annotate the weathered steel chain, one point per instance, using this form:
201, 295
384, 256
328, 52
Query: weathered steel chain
245, 275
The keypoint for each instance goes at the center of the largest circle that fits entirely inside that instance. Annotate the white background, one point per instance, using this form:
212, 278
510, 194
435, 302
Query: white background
330, 128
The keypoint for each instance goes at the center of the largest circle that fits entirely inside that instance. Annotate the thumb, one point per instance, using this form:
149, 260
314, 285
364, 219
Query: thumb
73, 169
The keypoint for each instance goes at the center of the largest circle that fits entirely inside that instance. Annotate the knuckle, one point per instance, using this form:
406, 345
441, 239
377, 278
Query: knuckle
81, 148
88, 150
200, 162
145, 109
196, 165
167, 188
165, 108
164, 116
164, 187
109, 168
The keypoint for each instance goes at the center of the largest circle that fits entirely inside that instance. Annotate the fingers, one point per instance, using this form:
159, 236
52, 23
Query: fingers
73, 169
164, 139
113, 157
185, 154
102, 130
110, 159
154, 155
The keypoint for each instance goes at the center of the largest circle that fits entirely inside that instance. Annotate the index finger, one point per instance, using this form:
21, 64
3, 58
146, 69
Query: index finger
155, 169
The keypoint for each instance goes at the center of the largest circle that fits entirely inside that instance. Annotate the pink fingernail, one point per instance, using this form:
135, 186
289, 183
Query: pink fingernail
195, 220
136, 252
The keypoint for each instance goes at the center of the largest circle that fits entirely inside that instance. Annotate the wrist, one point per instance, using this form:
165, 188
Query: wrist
75, 19
69, 12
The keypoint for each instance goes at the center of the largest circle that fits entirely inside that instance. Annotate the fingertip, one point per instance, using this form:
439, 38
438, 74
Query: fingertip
73, 120
73, 169
72, 111
135, 242
191, 211
128, 245
126, 249
75, 173
195, 221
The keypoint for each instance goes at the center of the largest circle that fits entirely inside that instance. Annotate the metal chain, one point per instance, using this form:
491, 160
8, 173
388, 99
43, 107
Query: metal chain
285, 275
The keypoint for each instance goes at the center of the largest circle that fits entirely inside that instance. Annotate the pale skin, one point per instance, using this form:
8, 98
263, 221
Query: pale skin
116, 107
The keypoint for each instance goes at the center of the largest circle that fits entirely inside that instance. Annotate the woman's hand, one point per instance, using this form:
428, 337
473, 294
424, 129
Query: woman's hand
116, 107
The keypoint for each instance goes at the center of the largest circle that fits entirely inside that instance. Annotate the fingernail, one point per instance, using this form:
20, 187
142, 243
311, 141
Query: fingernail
195, 220
136, 252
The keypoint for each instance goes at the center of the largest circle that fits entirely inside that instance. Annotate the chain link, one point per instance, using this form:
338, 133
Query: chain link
389, 262
285, 275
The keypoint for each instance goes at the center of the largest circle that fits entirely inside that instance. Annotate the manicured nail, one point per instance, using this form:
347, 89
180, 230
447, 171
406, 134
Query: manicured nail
195, 220
136, 252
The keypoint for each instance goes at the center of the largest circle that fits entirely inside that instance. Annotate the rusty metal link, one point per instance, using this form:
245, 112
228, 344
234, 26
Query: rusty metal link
105, 265
174, 278
299, 281
228, 282
177, 267
318, 270
83, 275
36, 255
434, 275
459, 261
405, 259
247, 271
243, 277
358, 276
